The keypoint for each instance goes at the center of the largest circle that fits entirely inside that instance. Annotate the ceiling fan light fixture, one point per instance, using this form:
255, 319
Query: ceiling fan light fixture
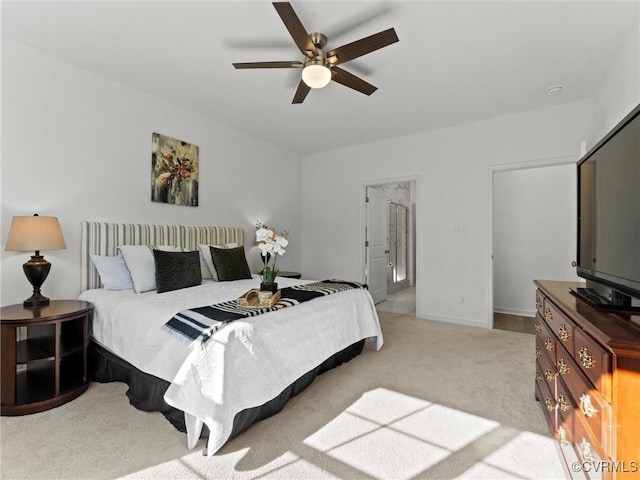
320, 67
316, 75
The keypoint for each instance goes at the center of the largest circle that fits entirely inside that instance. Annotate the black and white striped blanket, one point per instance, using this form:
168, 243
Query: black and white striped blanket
202, 322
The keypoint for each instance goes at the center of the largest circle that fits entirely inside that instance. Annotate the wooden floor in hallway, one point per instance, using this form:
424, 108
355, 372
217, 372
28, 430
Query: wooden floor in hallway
514, 323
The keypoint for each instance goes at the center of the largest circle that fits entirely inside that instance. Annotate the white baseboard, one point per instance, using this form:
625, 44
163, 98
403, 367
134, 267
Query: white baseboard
515, 311
457, 321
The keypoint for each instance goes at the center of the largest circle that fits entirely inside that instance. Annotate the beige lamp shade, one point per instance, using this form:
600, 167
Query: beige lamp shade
34, 233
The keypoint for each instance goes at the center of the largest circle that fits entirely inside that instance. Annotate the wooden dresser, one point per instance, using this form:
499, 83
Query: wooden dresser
588, 382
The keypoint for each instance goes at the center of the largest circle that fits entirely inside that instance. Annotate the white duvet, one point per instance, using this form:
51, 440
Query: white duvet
243, 365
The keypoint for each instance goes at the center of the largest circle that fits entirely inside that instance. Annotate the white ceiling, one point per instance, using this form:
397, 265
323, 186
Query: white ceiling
456, 61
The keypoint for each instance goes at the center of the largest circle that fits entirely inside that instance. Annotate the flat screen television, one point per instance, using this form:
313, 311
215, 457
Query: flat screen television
609, 218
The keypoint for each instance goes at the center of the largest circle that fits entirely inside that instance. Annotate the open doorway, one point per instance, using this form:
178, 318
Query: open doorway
533, 236
390, 245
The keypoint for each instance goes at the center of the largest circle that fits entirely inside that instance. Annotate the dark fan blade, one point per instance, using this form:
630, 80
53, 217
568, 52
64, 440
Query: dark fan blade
368, 12
301, 92
350, 80
296, 29
294, 64
363, 46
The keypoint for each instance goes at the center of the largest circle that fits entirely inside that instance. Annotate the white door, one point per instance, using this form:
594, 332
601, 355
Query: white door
377, 244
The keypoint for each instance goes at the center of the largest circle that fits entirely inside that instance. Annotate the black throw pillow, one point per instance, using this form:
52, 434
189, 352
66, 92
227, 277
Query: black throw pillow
176, 270
230, 263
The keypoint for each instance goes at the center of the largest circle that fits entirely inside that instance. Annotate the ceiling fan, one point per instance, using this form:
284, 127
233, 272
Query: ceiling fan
319, 67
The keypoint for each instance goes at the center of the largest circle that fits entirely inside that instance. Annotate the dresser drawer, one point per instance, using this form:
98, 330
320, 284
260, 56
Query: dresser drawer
595, 362
564, 363
547, 339
546, 372
563, 400
594, 411
538, 323
546, 348
539, 302
589, 454
562, 327
567, 444
576, 397
547, 400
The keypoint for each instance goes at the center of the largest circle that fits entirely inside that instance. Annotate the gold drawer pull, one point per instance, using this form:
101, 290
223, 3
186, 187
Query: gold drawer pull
548, 344
562, 402
585, 451
563, 333
562, 437
538, 352
550, 376
562, 366
585, 405
548, 315
538, 377
550, 405
538, 327
586, 358
538, 303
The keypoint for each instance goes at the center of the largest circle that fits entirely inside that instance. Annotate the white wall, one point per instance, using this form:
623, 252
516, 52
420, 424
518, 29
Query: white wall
78, 146
534, 233
453, 188
619, 92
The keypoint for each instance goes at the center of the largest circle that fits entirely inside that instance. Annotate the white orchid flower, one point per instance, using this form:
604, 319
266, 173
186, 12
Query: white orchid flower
283, 242
271, 245
266, 248
262, 234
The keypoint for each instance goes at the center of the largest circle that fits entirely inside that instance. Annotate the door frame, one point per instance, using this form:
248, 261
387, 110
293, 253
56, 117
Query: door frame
506, 167
414, 181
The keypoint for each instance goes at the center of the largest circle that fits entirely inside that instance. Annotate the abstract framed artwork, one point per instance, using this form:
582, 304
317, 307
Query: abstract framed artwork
174, 171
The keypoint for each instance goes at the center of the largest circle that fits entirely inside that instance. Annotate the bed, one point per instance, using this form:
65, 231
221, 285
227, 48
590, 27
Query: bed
221, 383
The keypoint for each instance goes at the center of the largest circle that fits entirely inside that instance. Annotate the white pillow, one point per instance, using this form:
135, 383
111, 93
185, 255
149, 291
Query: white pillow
206, 262
139, 260
113, 272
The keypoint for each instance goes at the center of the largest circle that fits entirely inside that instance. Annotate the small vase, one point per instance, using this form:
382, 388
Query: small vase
269, 287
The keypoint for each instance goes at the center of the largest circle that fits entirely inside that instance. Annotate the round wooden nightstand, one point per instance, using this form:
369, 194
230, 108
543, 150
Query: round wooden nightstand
44, 355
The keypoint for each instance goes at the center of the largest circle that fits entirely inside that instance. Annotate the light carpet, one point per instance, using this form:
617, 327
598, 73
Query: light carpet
438, 401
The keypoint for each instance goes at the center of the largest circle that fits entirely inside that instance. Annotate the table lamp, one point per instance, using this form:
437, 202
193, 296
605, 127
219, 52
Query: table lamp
34, 234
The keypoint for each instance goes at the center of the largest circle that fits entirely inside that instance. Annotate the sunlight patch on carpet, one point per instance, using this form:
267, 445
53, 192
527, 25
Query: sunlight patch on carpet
444, 426
385, 453
300, 469
387, 434
384, 434
342, 429
383, 406
527, 456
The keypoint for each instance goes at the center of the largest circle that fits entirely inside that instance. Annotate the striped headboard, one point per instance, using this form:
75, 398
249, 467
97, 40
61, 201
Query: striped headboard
105, 238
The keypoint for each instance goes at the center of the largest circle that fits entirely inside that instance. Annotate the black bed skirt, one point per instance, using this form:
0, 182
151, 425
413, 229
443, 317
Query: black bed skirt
146, 391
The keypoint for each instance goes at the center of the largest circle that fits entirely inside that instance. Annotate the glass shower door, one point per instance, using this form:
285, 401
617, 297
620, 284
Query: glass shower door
398, 246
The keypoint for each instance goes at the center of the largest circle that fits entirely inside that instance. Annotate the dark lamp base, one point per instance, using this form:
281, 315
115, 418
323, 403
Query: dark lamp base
36, 271
36, 300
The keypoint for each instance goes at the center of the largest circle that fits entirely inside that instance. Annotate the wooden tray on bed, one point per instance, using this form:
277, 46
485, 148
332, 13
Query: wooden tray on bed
252, 299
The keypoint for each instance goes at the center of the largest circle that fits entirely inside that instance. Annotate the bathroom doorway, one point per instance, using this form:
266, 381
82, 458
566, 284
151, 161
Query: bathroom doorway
399, 218
398, 247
